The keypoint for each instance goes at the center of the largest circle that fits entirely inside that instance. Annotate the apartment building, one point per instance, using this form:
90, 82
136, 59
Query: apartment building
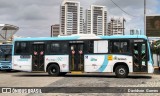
96, 20
71, 18
116, 26
55, 30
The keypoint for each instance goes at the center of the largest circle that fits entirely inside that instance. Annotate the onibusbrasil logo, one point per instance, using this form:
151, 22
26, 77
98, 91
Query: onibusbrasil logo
21, 90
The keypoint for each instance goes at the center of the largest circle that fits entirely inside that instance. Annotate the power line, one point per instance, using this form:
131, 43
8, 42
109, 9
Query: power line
122, 9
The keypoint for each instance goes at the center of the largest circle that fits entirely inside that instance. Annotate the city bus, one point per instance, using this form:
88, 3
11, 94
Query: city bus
6, 57
83, 54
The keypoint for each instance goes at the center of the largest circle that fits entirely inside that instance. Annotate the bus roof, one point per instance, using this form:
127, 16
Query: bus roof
83, 37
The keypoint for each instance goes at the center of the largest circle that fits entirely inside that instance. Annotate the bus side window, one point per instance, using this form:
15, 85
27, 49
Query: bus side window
55, 47
119, 47
123, 47
90, 47
116, 47
21, 48
64, 47
18, 49
110, 47
58, 48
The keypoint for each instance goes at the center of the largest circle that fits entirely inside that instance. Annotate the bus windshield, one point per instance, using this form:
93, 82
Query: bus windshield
5, 53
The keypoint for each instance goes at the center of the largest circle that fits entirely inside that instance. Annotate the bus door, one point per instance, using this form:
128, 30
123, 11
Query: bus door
140, 57
38, 57
76, 57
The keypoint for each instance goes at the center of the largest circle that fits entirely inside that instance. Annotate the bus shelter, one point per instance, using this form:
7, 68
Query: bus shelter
7, 31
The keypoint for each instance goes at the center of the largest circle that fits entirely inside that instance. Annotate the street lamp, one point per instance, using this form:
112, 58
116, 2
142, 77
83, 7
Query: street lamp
145, 17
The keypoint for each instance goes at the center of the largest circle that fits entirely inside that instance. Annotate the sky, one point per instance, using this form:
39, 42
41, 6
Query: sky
35, 17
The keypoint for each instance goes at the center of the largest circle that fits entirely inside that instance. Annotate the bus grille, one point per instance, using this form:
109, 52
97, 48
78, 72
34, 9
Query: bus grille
5, 67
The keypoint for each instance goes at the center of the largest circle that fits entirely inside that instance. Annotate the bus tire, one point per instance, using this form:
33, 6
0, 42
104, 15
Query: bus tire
121, 71
53, 70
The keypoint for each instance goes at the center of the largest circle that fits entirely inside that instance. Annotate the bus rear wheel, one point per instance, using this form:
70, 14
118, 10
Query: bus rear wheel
53, 70
121, 71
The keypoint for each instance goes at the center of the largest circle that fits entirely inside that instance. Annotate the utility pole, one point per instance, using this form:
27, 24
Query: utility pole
112, 25
145, 17
52, 31
124, 20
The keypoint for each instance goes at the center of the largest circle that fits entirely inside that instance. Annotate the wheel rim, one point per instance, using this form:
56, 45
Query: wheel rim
53, 70
122, 71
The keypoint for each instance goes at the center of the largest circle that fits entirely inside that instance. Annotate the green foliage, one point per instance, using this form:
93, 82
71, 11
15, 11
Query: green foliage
155, 47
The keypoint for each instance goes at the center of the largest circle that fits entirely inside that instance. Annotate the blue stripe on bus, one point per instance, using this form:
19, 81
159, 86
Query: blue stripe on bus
104, 65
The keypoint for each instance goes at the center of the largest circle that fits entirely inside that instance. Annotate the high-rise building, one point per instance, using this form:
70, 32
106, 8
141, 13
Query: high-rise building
71, 21
116, 26
135, 31
84, 27
96, 20
55, 30
88, 21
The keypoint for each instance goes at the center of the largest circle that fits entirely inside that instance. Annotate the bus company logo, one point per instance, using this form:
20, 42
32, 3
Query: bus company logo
55, 59
93, 59
115, 58
122, 59
52, 59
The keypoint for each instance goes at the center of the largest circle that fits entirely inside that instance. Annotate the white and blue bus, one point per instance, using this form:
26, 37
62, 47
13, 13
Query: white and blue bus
6, 57
83, 53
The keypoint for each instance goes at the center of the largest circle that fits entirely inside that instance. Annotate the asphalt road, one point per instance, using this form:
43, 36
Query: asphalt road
24, 79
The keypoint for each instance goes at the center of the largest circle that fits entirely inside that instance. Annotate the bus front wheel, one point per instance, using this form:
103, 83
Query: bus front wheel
121, 71
53, 70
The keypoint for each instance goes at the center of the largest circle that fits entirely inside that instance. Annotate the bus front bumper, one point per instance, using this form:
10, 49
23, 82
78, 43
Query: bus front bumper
5, 67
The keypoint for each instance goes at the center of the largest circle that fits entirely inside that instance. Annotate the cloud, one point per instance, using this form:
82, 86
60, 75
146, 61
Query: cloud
6, 4
135, 9
32, 12
34, 17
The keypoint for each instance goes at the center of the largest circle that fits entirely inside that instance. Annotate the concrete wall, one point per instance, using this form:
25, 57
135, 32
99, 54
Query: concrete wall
156, 59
